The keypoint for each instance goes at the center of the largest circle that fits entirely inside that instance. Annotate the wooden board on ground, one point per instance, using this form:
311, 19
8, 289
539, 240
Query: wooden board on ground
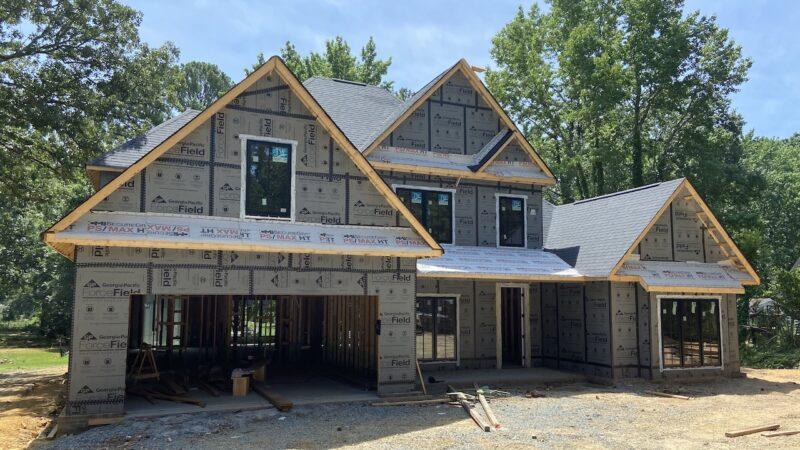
668, 395
780, 433
486, 408
753, 430
430, 401
280, 402
471, 411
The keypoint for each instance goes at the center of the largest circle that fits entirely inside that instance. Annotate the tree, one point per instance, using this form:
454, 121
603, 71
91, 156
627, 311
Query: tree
338, 61
621, 93
74, 80
198, 84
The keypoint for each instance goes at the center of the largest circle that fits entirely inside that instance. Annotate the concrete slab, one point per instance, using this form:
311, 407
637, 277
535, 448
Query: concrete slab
310, 390
535, 376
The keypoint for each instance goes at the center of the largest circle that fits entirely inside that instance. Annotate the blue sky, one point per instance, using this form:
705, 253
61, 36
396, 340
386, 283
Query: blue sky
424, 37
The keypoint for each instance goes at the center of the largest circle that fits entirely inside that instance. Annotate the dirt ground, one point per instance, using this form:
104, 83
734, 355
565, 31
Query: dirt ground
577, 415
28, 401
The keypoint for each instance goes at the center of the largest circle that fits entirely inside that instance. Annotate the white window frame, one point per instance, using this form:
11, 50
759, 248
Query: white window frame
457, 361
395, 187
524, 217
244, 138
721, 365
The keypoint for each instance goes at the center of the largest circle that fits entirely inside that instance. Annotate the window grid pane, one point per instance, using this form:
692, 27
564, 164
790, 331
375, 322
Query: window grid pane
269, 178
511, 219
436, 328
433, 209
690, 333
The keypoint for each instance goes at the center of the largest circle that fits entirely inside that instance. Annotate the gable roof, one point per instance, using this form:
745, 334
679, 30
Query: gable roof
597, 235
593, 235
277, 64
127, 153
392, 122
357, 108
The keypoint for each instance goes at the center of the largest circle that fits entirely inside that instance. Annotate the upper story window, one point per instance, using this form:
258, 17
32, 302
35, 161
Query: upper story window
268, 178
433, 208
511, 226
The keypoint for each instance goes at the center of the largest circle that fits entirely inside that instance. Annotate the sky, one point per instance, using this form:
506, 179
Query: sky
424, 37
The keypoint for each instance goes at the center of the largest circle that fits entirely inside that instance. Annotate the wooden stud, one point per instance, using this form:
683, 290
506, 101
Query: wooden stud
753, 430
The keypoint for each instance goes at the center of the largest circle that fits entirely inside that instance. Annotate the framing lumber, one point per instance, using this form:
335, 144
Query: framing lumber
455, 173
462, 399
486, 408
421, 379
279, 401
668, 395
780, 433
433, 401
746, 431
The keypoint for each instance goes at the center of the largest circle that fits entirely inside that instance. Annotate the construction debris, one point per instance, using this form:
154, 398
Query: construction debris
462, 399
780, 433
279, 401
486, 408
753, 430
432, 401
668, 395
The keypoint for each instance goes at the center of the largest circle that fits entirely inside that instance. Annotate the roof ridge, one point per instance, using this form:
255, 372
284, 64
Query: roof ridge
618, 193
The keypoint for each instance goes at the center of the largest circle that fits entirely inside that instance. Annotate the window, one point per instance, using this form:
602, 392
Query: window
690, 335
434, 209
511, 230
268, 179
436, 328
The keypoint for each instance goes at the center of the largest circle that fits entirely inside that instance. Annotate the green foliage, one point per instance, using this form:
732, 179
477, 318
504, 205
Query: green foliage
770, 356
75, 80
337, 61
198, 84
620, 93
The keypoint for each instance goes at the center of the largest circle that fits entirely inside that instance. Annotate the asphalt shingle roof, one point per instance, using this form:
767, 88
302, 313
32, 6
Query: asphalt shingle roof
358, 109
125, 154
592, 235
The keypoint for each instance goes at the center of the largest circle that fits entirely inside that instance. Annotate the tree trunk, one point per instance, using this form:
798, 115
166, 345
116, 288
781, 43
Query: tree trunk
637, 171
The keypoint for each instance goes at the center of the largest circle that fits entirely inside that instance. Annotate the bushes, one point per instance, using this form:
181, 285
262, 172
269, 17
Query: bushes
770, 356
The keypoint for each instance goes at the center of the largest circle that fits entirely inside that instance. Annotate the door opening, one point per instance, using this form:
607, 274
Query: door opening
511, 327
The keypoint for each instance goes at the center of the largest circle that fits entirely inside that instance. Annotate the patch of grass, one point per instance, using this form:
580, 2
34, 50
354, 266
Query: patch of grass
12, 359
770, 357
23, 348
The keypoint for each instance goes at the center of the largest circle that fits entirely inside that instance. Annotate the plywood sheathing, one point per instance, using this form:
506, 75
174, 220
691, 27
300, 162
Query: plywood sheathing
686, 193
206, 115
461, 68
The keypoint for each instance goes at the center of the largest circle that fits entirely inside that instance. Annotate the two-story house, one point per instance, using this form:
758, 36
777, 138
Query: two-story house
326, 225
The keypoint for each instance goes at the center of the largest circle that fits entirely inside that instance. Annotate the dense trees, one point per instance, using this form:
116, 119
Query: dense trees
337, 61
75, 80
621, 93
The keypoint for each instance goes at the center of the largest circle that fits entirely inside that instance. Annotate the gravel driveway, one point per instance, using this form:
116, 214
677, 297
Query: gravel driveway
576, 415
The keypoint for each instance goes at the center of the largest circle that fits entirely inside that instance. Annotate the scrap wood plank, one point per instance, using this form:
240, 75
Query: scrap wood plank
486, 408
471, 411
152, 394
753, 430
421, 380
430, 401
780, 433
214, 392
280, 402
172, 385
668, 395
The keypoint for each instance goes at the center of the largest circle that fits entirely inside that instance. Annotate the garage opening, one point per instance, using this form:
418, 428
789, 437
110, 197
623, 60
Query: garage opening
207, 342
